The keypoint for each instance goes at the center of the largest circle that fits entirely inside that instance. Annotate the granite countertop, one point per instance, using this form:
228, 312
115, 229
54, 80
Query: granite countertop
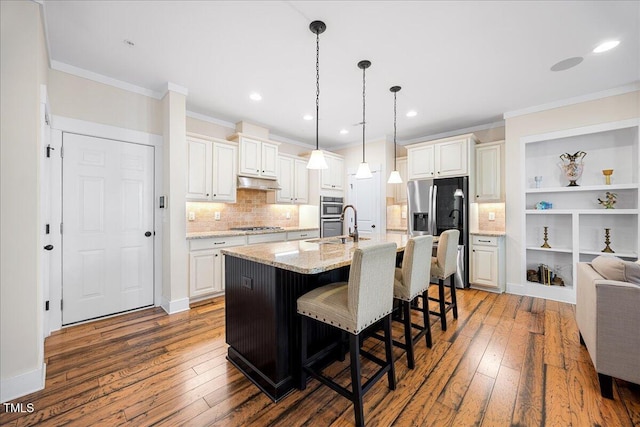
226, 233
488, 233
310, 256
397, 229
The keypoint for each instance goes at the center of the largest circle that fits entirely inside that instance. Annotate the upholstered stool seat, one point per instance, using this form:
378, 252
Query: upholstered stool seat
443, 266
411, 283
366, 299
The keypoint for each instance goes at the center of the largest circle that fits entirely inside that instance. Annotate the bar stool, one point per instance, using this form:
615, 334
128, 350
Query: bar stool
411, 283
352, 307
443, 266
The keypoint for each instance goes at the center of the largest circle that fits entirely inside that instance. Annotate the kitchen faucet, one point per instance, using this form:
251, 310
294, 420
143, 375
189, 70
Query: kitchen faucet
355, 220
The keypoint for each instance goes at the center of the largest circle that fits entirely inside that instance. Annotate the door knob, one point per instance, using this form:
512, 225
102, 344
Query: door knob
373, 226
148, 234
48, 247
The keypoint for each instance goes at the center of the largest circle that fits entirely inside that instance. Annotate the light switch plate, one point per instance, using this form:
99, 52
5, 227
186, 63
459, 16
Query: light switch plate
288, 215
403, 215
192, 216
492, 216
216, 216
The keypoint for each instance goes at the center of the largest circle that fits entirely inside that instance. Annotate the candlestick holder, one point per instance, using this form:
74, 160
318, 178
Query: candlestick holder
607, 248
546, 239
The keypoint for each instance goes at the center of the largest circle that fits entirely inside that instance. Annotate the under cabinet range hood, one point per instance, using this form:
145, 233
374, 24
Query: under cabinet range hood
262, 184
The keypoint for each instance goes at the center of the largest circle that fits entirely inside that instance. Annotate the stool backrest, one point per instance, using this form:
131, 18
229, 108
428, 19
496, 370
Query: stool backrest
448, 252
371, 283
416, 264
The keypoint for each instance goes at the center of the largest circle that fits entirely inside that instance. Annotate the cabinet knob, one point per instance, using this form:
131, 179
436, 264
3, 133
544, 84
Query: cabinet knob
216, 255
207, 194
214, 195
48, 247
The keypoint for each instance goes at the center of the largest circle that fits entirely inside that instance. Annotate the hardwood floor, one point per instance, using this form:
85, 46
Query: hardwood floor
507, 360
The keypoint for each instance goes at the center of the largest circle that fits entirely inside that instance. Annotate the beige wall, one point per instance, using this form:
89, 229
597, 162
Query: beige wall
23, 69
610, 109
84, 99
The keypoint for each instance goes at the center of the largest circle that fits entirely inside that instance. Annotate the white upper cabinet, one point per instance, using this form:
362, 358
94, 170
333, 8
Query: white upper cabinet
224, 172
490, 172
258, 158
199, 160
333, 177
211, 174
420, 162
293, 178
440, 158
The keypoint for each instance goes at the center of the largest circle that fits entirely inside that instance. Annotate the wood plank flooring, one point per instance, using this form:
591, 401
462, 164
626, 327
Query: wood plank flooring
507, 361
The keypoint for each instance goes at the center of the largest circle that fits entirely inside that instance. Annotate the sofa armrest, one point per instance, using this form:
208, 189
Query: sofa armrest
586, 306
618, 329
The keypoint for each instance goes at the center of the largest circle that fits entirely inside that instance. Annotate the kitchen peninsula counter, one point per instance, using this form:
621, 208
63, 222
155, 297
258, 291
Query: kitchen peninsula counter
263, 284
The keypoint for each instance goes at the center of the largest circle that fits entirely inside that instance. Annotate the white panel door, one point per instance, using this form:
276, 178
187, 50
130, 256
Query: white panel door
484, 266
269, 160
224, 172
285, 179
199, 169
365, 196
301, 182
250, 157
107, 239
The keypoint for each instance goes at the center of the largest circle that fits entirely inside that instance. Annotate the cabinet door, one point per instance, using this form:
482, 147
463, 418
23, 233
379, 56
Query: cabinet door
250, 157
488, 173
198, 169
332, 178
285, 179
451, 158
269, 156
420, 162
224, 173
301, 182
484, 266
205, 272
401, 189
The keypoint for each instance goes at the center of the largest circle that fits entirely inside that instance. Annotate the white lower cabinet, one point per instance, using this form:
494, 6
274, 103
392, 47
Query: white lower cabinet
206, 265
487, 263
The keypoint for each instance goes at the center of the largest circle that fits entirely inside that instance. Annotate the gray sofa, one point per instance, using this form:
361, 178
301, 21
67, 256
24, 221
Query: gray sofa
608, 317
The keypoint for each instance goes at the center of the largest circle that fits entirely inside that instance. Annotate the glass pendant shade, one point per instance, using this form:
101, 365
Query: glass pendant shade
395, 178
317, 161
363, 171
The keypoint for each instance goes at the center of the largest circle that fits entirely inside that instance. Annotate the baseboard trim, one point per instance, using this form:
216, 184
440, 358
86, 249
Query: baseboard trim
23, 384
516, 289
175, 306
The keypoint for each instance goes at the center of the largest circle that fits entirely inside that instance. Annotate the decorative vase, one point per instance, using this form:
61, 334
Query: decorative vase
607, 175
572, 166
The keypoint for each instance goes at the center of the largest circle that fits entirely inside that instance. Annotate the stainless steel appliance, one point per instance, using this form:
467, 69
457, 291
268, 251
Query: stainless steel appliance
330, 210
437, 205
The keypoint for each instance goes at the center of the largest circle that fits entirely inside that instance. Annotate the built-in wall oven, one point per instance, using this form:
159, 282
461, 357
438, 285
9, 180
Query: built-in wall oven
330, 211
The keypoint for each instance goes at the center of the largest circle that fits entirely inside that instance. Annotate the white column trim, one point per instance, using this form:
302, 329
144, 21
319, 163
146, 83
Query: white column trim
23, 384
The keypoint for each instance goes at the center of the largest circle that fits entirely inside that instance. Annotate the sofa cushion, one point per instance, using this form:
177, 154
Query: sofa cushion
612, 268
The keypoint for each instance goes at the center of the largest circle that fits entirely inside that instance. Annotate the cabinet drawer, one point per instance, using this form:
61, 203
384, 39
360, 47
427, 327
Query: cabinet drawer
217, 242
264, 238
484, 240
299, 235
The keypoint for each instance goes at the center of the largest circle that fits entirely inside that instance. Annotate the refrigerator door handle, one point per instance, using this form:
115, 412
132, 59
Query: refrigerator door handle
434, 230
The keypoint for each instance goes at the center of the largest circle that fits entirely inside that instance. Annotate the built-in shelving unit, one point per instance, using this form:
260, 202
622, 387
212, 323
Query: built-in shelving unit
576, 222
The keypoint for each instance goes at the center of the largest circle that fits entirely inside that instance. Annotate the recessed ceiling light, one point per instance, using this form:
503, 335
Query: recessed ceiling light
412, 113
603, 47
255, 96
307, 117
344, 132
565, 64
128, 43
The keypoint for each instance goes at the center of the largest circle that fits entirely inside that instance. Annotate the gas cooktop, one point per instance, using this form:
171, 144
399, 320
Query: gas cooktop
255, 228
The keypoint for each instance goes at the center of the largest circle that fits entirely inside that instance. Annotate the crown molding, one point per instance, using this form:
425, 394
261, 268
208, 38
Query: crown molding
172, 87
632, 87
453, 133
100, 78
209, 119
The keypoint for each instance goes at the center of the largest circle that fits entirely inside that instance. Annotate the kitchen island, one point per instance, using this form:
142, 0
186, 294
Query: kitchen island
263, 283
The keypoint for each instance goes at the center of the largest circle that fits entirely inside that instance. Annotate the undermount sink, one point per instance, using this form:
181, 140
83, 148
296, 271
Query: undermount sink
340, 240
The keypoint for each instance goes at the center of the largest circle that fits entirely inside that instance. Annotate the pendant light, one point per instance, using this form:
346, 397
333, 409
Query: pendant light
363, 170
395, 178
317, 161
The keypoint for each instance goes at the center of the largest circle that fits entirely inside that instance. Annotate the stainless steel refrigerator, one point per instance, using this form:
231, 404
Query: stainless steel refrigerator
437, 205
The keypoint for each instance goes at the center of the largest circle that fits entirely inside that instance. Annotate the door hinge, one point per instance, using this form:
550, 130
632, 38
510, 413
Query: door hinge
60, 305
60, 228
46, 306
61, 152
46, 119
46, 229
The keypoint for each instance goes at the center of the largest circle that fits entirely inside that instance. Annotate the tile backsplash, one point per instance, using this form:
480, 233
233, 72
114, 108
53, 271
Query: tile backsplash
394, 214
484, 209
251, 209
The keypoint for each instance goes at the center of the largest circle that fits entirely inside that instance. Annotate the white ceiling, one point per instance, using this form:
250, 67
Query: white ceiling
460, 64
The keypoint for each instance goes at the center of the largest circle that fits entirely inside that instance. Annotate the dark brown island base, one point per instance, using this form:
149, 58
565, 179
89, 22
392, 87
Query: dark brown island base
263, 283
